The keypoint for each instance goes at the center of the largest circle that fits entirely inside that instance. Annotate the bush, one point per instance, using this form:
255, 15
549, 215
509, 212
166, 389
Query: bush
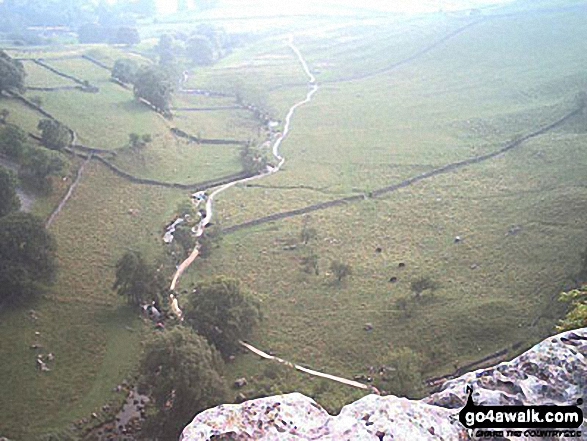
577, 315
340, 270
422, 284
403, 376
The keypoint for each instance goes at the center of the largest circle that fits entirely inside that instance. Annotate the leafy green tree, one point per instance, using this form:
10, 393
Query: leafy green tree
183, 375
9, 200
403, 376
13, 141
153, 84
27, 257
39, 164
54, 135
136, 279
12, 74
340, 270
223, 312
124, 70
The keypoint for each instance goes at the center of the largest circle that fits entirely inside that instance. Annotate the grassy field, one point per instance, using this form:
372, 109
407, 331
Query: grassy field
519, 215
468, 97
95, 338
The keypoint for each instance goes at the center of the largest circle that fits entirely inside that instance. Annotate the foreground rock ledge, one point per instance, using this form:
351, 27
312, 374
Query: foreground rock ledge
552, 372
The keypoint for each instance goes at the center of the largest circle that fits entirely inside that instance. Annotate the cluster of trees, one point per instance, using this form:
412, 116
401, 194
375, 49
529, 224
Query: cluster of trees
153, 83
97, 33
17, 15
205, 45
37, 164
182, 367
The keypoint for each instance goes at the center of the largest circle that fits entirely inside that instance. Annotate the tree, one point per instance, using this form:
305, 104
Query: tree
308, 233
54, 135
201, 50
93, 33
136, 141
223, 312
124, 70
9, 200
340, 270
153, 84
422, 284
166, 49
183, 375
127, 35
310, 263
13, 142
27, 257
254, 160
403, 376
136, 280
39, 164
209, 241
12, 74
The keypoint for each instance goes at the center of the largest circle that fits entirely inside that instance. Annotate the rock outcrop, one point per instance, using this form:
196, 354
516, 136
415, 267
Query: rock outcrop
552, 372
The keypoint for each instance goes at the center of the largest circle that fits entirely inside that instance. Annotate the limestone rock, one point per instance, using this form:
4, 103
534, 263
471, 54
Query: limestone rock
552, 372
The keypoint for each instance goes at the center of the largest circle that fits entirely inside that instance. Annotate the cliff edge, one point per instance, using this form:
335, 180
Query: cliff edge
552, 372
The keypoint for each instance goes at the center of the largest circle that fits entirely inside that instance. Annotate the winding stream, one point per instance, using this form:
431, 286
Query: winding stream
270, 170
313, 88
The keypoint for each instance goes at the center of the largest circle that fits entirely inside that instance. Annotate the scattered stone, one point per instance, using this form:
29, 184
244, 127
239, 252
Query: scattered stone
37, 333
240, 382
290, 247
458, 239
393, 280
401, 265
241, 398
94, 415
474, 266
515, 229
368, 327
231, 358
378, 250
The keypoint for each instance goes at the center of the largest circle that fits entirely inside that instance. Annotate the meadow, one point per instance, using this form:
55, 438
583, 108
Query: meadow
518, 215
